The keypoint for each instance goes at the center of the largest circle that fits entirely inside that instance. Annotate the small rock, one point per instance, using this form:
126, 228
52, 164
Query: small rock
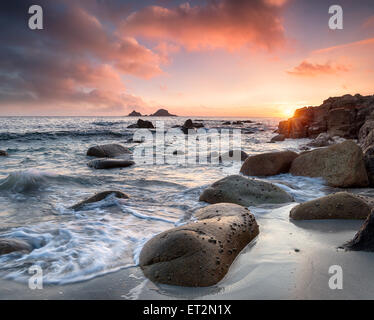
98, 197
110, 163
14, 245
107, 151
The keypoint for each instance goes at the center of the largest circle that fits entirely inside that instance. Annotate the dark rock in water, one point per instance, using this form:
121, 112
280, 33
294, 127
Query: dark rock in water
178, 152
98, 197
162, 113
340, 205
341, 165
247, 121
199, 254
338, 116
134, 114
238, 123
364, 238
189, 124
3, 153
323, 140
268, 164
107, 151
279, 137
110, 163
14, 245
244, 191
226, 123
236, 155
142, 124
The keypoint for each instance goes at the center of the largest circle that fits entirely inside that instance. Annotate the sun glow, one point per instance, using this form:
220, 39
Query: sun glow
289, 111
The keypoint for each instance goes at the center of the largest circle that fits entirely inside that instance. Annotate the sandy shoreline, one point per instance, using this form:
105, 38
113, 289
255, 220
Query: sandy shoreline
269, 268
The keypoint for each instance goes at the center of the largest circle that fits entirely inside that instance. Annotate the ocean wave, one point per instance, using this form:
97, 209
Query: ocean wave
28, 136
33, 179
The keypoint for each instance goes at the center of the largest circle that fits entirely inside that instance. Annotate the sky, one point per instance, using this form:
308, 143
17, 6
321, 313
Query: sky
227, 58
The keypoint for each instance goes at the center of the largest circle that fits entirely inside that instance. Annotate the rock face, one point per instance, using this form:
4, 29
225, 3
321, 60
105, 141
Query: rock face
3, 153
268, 164
364, 238
341, 205
134, 114
366, 140
98, 197
236, 155
107, 151
142, 124
110, 163
162, 113
278, 137
244, 191
338, 116
199, 254
341, 165
14, 245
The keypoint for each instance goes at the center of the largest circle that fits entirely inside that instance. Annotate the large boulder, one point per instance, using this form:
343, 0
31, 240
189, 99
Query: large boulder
364, 238
340, 205
341, 165
268, 164
244, 191
14, 245
107, 151
110, 163
199, 254
98, 197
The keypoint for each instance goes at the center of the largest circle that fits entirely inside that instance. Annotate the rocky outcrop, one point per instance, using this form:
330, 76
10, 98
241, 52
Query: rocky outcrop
98, 197
142, 124
134, 114
340, 205
244, 191
199, 254
268, 164
341, 165
366, 140
278, 137
162, 113
364, 238
107, 151
3, 153
338, 116
14, 245
110, 163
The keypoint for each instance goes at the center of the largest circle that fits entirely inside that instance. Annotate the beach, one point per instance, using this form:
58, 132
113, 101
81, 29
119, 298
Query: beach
93, 253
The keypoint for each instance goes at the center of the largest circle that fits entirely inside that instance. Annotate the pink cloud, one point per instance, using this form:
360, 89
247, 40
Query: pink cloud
308, 69
219, 24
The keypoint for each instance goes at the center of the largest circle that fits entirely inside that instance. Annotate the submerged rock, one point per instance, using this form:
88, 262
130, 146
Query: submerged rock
3, 153
107, 151
364, 238
244, 191
340, 205
14, 245
268, 164
142, 124
236, 155
98, 197
199, 254
110, 163
341, 165
278, 137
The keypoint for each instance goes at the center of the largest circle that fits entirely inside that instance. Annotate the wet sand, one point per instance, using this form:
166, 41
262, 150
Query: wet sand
288, 260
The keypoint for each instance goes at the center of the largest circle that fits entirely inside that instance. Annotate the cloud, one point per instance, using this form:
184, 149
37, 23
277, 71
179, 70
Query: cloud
223, 24
308, 69
75, 61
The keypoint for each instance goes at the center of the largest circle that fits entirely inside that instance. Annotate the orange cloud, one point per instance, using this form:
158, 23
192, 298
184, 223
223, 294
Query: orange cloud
219, 24
308, 69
